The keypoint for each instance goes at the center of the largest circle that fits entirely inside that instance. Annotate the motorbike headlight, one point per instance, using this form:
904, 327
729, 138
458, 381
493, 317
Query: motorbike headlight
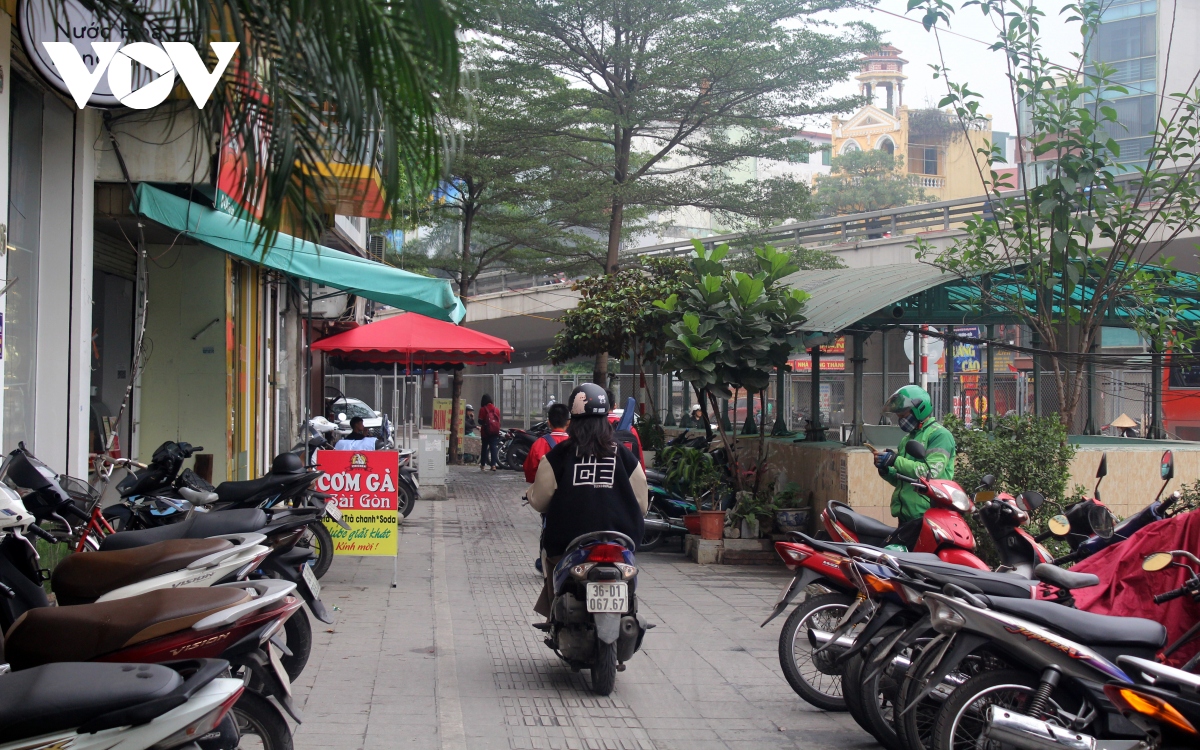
943, 617
961, 501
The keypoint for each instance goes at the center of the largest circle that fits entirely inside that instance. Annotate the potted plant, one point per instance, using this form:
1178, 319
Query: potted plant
691, 472
792, 511
750, 512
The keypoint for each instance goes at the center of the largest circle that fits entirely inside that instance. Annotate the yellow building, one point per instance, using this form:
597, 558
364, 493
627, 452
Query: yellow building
936, 151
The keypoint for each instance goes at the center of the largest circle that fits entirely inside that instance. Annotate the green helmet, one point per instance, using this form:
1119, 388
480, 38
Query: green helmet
912, 397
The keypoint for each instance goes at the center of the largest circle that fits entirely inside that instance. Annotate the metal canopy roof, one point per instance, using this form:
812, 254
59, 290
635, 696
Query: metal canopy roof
879, 296
845, 296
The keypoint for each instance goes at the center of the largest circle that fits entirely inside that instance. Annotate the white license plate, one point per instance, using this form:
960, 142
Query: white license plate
310, 580
280, 672
608, 597
334, 512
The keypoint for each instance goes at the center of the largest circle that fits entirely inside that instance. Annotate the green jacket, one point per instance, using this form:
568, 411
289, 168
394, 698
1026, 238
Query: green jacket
907, 505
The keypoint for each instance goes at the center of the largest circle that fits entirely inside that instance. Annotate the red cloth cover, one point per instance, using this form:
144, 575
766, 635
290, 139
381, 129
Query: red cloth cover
1125, 589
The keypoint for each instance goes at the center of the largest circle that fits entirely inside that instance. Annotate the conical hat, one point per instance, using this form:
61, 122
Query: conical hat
1124, 422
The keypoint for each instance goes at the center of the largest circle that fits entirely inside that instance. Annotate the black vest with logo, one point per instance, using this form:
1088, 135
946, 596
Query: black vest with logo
593, 494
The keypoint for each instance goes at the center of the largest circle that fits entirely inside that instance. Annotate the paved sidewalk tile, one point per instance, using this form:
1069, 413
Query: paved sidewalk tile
448, 659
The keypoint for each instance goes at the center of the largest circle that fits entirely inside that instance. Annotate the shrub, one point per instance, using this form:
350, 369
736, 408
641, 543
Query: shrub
1022, 453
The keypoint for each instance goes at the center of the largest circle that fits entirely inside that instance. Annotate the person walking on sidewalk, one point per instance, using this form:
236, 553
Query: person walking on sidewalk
489, 433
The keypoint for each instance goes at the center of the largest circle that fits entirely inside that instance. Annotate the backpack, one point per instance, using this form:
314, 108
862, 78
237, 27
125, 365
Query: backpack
630, 441
550, 439
491, 420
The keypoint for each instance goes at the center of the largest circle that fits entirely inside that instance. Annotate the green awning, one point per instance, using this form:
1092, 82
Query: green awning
302, 259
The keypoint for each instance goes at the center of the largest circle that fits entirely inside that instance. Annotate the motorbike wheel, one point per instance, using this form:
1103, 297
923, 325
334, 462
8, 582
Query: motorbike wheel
872, 702
653, 539
604, 671
260, 724
407, 499
298, 631
965, 710
515, 458
806, 673
915, 728
320, 541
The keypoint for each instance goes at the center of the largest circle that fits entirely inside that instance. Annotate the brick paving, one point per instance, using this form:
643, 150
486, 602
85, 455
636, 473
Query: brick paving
448, 659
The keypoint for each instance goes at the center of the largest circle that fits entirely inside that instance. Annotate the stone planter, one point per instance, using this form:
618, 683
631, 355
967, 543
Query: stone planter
750, 529
792, 519
712, 524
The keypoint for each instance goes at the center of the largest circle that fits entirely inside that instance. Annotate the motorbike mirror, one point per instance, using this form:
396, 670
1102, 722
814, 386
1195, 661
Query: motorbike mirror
1033, 500
988, 481
915, 449
341, 416
1059, 525
1101, 521
1102, 469
1157, 561
1166, 468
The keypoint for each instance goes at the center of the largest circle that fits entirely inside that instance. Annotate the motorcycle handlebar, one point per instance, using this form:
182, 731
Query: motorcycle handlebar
70, 508
1166, 504
38, 531
1163, 598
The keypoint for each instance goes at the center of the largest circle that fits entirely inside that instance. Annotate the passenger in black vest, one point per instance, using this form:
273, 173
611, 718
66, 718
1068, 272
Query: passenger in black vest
585, 484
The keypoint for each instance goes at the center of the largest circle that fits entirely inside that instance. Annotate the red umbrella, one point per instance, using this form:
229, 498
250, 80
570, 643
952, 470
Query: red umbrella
411, 337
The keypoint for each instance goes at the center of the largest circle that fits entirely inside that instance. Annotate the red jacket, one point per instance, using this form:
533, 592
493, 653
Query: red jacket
541, 447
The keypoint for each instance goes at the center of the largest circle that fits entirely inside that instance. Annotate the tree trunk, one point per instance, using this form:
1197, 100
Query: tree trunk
464, 281
615, 221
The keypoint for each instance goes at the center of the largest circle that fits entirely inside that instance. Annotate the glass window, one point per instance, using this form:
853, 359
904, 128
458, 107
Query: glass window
1124, 40
826, 157
24, 236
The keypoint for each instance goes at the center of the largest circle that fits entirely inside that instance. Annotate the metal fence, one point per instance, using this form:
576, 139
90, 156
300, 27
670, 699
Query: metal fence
524, 398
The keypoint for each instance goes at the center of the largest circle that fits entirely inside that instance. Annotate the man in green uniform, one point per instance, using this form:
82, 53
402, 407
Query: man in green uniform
912, 405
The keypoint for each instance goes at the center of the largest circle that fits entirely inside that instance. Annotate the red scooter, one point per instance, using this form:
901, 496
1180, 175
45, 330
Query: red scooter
944, 531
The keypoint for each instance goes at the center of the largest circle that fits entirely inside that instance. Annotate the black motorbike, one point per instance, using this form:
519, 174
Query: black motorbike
594, 623
515, 445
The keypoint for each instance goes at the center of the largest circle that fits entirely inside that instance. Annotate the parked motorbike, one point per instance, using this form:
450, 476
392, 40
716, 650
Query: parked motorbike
594, 623
1088, 527
944, 531
128, 706
238, 622
515, 445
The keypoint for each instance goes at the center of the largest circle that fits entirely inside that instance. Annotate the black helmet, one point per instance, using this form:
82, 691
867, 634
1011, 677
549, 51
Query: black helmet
287, 463
588, 400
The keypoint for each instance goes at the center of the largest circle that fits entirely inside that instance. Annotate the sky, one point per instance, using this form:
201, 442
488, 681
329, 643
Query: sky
969, 59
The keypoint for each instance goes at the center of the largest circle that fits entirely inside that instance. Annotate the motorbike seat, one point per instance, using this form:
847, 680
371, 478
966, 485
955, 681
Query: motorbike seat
196, 526
58, 697
1085, 627
81, 579
863, 526
234, 492
1064, 579
85, 632
655, 476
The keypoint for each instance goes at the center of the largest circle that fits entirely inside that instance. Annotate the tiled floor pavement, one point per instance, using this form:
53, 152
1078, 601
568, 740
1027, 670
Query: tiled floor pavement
448, 658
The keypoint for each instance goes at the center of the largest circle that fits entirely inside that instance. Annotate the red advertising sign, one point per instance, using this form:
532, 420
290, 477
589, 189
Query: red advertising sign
833, 358
363, 484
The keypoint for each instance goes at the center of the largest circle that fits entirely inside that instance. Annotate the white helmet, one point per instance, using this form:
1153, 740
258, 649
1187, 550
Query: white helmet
695, 407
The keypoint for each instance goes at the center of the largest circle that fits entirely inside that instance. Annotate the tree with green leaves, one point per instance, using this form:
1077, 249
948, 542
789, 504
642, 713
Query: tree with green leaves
731, 330
358, 81
680, 94
505, 203
1080, 246
612, 317
862, 181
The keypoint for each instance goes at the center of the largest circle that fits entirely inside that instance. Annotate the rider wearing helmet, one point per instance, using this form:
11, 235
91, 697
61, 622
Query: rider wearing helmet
588, 483
914, 409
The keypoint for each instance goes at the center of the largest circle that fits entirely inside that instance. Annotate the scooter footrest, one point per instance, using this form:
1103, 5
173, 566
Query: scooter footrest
543, 626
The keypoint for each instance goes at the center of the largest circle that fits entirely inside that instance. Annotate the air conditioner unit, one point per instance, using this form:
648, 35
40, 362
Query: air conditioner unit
375, 247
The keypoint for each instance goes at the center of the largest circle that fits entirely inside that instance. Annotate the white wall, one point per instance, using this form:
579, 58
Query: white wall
6, 64
82, 223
